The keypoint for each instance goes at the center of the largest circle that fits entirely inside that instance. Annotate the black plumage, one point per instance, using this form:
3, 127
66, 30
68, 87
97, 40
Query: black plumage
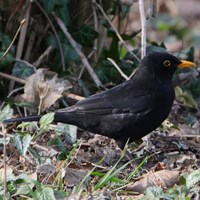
130, 110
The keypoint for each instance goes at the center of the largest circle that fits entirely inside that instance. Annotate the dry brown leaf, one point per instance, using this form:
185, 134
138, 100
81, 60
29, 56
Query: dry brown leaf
9, 172
163, 178
33, 176
74, 176
41, 92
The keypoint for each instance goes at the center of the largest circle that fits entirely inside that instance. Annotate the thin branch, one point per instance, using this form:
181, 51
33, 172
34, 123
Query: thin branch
143, 24
55, 33
10, 94
78, 51
116, 32
13, 78
22, 37
73, 96
118, 69
16, 34
153, 4
41, 58
19, 80
83, 67
23, 33
4, 161
95, 27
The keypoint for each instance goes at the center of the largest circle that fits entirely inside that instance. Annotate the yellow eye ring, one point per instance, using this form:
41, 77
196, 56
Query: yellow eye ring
166, 63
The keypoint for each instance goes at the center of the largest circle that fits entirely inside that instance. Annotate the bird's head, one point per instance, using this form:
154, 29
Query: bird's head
163, 65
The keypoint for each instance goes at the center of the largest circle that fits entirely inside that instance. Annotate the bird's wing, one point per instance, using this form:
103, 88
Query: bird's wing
114, 102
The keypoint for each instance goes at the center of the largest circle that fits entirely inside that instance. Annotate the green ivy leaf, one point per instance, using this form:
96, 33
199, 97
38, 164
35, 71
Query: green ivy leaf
45, 121
6, 113
8, 59
45, 193
185, 98
85, 35
22, 142
189, 180
23, 69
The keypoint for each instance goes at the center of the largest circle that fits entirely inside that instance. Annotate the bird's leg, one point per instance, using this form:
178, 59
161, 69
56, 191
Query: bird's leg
123, 145
146, 142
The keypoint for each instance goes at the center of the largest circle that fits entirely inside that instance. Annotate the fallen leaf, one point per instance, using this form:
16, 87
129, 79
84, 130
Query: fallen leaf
9, 172
163, 178
43, 92
74, 176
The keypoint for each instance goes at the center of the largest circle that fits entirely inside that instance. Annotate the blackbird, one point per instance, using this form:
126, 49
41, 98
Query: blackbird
130, 110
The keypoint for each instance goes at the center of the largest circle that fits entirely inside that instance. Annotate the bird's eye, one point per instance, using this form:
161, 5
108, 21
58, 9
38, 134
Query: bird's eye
166, 63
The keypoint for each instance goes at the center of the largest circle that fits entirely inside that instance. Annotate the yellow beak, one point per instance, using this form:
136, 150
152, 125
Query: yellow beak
186, 64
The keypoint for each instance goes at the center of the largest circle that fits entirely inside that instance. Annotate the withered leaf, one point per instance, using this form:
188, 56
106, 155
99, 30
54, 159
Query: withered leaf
41, 92
163, 178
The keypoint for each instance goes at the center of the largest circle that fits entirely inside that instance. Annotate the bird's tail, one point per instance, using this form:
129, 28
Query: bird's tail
23, 119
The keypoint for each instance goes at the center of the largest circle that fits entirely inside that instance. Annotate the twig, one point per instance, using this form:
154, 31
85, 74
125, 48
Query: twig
10, 94
83, 67
22, 38
95, 27
23, 32
19, 80
116, 32
13, 78
55, 33
4, 161
118, 69
153, 4
73, 96
41, 58
16, 34
30, 45
78, 51
143, 24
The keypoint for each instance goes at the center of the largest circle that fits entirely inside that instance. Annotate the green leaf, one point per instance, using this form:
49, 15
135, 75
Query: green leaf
8, 59
45, 121
190, 54
60, 195
23, 69
153, 193
185, 98
36, 155
27, 125
46, 193
5, 42
153, 48
70, 54
60, 7
49, 5
22, 142
7, 140
57, 143
85, 35
23, 190
70, 132
6, 113
191, 179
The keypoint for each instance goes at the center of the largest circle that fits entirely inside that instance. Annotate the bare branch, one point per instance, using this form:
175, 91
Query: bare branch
19, 80
116, 32
16, 34
55, 33
78, 51
143, 24
118, 69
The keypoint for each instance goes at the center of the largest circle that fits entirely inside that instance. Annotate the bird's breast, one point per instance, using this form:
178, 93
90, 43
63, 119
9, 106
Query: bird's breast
163, 101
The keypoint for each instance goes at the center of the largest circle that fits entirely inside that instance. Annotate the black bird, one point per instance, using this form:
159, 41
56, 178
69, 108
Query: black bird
130, 110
